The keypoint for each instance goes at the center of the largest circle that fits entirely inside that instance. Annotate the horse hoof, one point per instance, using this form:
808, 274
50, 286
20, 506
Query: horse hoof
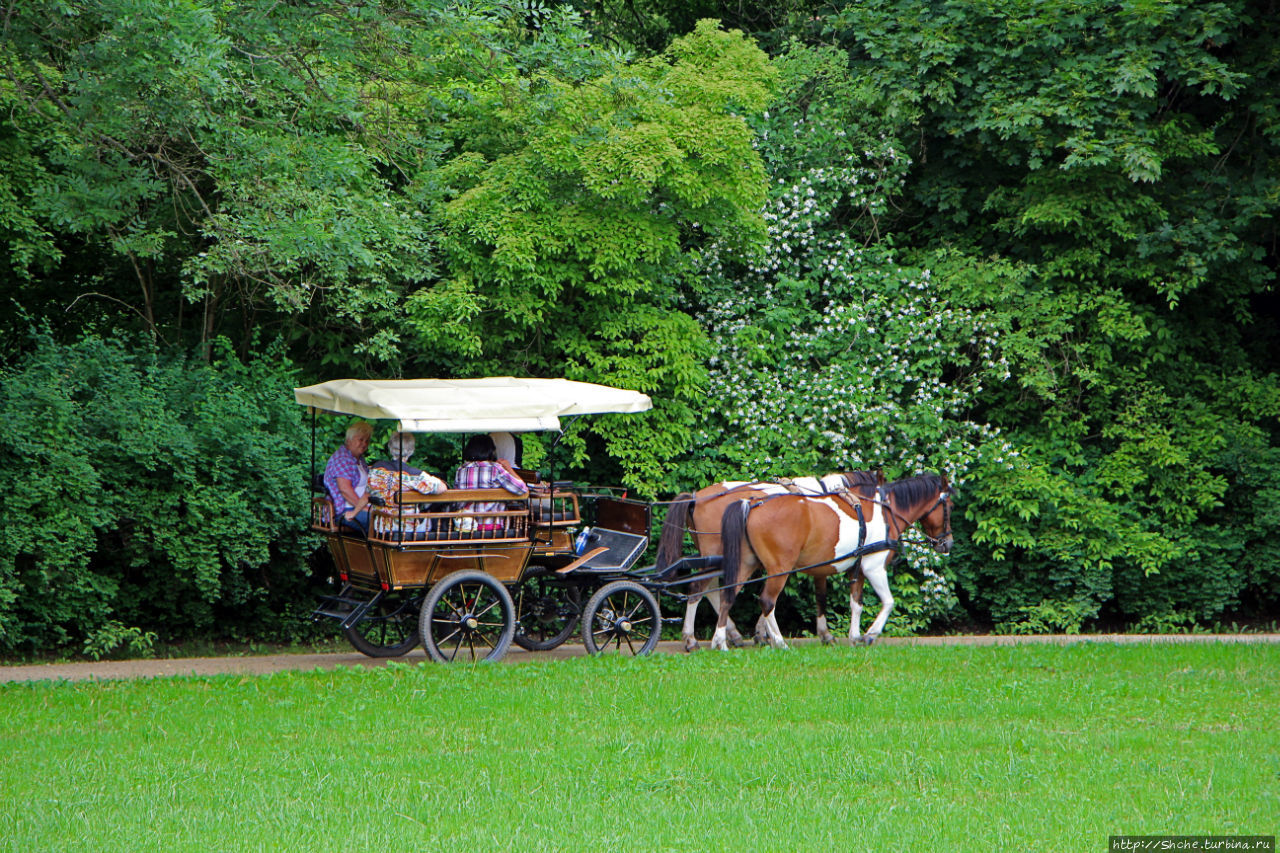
736, 639
691, 644
827, 639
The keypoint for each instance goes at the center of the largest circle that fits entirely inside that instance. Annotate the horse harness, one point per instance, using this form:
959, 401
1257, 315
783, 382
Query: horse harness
864, 547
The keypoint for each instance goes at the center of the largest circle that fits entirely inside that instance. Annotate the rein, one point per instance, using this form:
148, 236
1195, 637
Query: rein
859, 552
942, 500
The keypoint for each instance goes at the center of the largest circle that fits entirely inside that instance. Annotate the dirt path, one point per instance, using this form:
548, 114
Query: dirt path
257, 665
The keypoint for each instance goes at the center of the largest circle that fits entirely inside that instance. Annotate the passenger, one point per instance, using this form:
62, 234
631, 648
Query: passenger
509, 447
383, 474
389, 477
346, 478
482, 469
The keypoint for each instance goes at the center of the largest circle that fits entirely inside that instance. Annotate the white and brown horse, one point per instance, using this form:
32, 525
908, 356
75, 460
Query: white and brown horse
701, 513
824, 535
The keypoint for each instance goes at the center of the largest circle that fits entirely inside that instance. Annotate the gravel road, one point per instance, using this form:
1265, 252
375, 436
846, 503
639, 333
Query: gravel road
259, 664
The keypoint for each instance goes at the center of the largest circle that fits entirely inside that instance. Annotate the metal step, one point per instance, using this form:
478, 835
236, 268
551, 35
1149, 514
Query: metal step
348, 606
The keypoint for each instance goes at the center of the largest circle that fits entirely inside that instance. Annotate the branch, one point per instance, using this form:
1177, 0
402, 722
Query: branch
155, 333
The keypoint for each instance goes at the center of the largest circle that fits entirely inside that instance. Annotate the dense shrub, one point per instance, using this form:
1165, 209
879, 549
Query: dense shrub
147, 493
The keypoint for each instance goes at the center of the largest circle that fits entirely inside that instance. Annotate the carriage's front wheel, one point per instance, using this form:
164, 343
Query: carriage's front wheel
623, 618
467, 616
390, 628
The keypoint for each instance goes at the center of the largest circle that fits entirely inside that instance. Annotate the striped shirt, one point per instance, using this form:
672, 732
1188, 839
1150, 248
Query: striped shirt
488, 475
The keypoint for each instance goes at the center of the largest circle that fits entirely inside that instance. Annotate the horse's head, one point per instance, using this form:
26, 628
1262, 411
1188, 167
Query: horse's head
936, 522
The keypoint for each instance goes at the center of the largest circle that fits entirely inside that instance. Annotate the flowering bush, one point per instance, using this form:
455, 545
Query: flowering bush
829, 353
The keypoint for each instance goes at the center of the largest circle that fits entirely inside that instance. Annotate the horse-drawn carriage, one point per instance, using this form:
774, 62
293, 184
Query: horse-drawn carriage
468, 582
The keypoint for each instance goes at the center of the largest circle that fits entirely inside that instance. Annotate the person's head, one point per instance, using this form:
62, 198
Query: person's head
507, 446
358, 435
401, 446
479, 447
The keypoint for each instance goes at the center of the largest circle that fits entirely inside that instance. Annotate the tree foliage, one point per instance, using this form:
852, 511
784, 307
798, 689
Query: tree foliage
147, 491
1028, 243
573, 199
1124, 155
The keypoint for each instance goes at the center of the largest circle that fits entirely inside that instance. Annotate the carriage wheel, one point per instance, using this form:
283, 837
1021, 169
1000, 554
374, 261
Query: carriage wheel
547, 611
389, 629
622, 617
467, 616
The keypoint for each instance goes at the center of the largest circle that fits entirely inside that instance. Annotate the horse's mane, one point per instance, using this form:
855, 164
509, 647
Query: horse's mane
910, 491
862, 478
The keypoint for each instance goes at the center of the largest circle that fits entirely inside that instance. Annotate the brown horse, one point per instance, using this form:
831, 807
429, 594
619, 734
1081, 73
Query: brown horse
824, 535
706, 508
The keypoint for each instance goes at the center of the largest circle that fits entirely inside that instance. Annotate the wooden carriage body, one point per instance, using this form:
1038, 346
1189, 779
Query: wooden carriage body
422, 538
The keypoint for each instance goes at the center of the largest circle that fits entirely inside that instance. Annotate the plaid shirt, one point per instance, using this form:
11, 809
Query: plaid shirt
487, 475
343, 463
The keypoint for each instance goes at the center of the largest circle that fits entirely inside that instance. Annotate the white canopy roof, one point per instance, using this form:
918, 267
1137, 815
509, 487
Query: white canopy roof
497, 403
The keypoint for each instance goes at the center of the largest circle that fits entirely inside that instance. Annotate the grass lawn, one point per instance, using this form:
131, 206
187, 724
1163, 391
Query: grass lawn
892, 748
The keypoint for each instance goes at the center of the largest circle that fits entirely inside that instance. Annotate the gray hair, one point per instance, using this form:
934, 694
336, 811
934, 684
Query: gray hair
401, 445
359, 428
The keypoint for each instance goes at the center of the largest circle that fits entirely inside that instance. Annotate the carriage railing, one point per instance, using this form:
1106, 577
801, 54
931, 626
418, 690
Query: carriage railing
322, 515
556, 509
450, 517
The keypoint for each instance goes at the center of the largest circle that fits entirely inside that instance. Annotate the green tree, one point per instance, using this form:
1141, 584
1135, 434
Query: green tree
575, 198
1126, 156
150, 492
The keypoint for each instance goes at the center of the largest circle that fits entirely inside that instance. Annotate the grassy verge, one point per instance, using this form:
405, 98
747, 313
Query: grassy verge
994, 748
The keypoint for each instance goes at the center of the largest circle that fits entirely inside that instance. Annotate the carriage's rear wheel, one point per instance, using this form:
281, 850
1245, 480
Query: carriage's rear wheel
547, 610
390, 628
621, 618
467, 616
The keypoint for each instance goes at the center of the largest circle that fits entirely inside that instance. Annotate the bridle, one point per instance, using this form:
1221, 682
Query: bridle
943, 500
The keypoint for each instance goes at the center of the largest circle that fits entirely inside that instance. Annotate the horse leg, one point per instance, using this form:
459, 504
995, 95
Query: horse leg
691, 611
768, 616
855, 606
820, 587
732, 633
720, 639
738, 564
875, 568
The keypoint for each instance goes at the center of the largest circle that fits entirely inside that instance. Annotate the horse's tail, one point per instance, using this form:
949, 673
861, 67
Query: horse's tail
671, 540
733, 535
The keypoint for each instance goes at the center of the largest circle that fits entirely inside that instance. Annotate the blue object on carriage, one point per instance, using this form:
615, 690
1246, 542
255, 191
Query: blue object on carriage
622, 550
580, 544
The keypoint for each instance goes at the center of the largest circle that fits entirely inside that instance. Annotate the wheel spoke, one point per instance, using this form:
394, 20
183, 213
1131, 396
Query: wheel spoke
492, 605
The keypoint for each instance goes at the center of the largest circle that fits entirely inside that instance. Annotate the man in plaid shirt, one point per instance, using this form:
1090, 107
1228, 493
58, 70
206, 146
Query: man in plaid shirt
346, 477
483, 470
